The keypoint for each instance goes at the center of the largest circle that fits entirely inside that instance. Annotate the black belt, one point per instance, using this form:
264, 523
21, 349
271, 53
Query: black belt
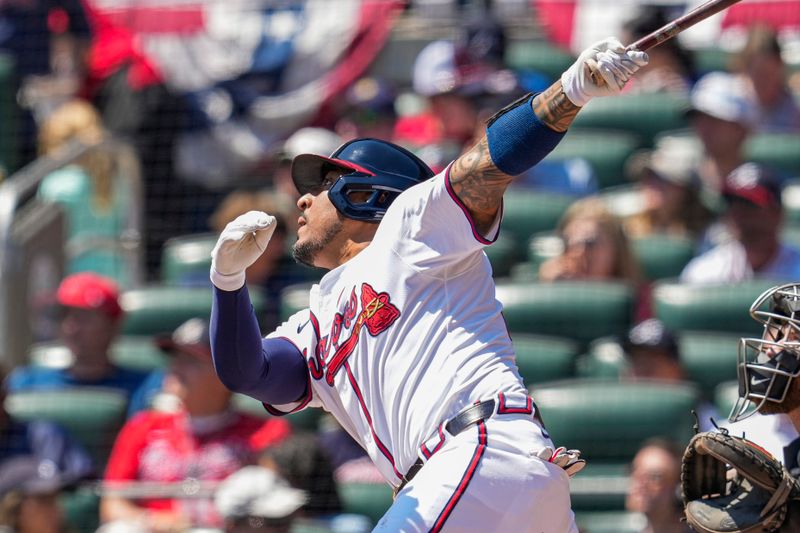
457, 424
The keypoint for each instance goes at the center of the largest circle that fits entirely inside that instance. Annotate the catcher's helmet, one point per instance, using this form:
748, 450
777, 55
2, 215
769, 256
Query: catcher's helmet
371, 165
767, 365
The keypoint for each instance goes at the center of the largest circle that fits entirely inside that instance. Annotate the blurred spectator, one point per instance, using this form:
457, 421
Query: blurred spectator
654, 487
670, 185
458, 79
761, 64
202, 437
595, 246
47, 40
29, 490
96, 202
723, 115
671, 67
308, 140
368, 110
305, 463
349, 461
90, 320
652, 352
754, 217
43, 440
257, 499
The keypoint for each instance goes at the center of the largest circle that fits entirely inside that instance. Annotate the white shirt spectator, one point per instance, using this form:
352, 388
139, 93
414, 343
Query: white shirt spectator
727, 263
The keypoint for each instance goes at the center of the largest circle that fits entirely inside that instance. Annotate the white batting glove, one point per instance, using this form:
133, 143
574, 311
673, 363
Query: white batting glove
569, 460
239, 245
611, 61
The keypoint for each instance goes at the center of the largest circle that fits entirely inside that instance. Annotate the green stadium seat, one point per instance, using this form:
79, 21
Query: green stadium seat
526, 212
538, 56
708, 307
293, 299
711, 58
662, 256
92, 415
369, 499
604, 359
610, 522
644, 115
605, 150
778, 150
578, 310
541, 358
186, 260
709, 357
542, 247
600, 487
81, 508
503, 254
609, 420
725, 396
134, 352
791, 236
158, 309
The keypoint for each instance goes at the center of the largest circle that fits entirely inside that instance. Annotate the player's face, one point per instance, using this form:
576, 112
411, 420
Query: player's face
654, 477
319, 225
87, 333
785, 334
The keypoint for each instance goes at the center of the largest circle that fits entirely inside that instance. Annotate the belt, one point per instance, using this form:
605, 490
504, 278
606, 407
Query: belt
457, 424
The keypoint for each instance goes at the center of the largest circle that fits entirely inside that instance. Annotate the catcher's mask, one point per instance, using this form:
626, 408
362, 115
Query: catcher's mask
768, 365
379, 168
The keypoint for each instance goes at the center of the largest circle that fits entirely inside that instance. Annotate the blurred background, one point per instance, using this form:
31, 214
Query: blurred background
132, 131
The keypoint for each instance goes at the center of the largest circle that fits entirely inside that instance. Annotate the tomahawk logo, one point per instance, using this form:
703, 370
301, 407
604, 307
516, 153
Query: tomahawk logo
377, 313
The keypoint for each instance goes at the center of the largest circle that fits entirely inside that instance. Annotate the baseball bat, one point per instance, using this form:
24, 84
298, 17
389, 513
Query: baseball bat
673, 28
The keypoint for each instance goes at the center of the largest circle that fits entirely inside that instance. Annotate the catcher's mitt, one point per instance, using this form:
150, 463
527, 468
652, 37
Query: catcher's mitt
729, 484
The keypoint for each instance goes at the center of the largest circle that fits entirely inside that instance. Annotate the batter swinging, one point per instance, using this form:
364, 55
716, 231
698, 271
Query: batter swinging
404, 341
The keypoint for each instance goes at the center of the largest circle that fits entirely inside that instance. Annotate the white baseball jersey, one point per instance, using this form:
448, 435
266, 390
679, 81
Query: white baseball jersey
408, 332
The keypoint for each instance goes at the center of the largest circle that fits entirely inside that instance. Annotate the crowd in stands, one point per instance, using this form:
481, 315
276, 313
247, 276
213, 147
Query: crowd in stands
187, 452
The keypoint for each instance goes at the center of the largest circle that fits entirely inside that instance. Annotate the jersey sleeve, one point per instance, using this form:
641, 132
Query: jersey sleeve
302, 332
430, 228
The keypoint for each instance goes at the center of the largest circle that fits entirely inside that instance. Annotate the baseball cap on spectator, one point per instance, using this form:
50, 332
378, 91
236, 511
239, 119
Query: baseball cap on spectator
309, 140
87, 290
442, 68
30, 476
724, 96
675, 159
753, 183
191, 337
650, 334
255, 491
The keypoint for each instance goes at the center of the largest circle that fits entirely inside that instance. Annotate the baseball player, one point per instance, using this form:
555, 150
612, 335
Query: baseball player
404, 341
767, 370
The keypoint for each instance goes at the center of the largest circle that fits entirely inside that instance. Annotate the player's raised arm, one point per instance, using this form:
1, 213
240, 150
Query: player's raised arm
524, 132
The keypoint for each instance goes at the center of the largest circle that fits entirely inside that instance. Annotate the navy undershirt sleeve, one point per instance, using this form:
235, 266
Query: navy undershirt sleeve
270, 370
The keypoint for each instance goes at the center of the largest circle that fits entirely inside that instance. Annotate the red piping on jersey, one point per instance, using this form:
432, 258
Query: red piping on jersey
306, 399
504, 410
381, 446
465, 479
480, 238
429, 453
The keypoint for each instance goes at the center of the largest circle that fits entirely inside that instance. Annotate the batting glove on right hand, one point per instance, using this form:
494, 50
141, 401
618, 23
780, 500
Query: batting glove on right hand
569, 460
239, 245
613, 67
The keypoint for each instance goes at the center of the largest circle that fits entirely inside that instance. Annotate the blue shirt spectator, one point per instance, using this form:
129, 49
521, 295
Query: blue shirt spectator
90, 319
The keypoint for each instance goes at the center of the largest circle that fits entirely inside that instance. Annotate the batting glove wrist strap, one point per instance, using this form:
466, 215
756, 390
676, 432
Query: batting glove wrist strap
239, 245
613, 66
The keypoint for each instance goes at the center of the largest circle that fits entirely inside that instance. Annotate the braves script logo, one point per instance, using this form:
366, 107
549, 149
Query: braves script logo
377, 313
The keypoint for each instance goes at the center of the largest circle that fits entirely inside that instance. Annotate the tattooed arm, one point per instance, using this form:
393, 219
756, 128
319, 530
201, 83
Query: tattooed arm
476, 180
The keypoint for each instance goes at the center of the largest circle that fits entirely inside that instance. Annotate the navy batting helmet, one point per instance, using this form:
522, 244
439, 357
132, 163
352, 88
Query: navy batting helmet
373, 166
